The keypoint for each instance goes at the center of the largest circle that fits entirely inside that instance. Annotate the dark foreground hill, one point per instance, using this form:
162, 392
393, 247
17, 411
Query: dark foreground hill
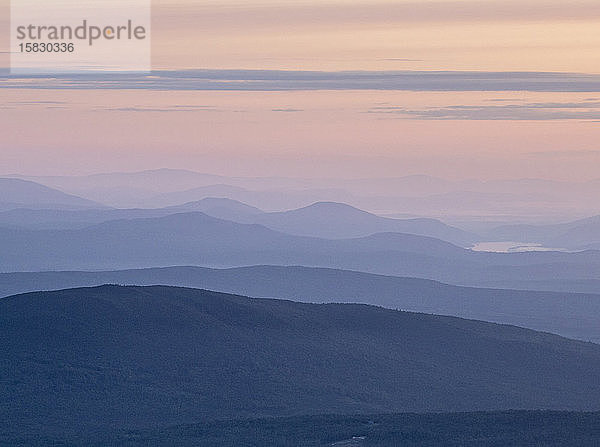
110, 358
493, 429
568, 314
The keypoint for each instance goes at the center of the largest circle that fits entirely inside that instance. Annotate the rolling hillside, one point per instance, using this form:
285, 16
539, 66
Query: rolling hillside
326, 220
16, 193
567, 314
198, 239
133, 357
332, 220
577, 235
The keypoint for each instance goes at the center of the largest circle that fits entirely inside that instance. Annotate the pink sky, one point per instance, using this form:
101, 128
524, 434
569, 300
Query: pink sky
351, 132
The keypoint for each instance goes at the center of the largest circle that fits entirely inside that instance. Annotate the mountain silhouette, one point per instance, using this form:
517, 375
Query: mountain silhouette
198, 239
221, 208
323, 219
131, 357
17, 193
333, 220
577, 235
571, 315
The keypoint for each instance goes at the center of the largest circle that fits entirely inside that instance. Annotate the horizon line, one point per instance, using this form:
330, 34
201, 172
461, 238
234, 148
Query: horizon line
303, 80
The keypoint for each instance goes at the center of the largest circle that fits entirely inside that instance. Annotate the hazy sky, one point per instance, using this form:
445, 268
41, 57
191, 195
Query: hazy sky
336, 127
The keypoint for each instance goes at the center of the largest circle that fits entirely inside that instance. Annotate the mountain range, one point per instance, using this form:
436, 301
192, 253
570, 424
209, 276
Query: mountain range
332, 220
17, 193
577, 235
567, 314
322, 219
24, 203
198, 239
530, 200
135, 357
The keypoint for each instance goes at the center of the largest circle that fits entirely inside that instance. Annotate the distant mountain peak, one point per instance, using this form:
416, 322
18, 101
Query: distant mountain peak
332, 206
17, 193
220, 207
218, 201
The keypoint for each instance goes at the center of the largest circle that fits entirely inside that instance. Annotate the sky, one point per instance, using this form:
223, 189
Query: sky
454, 89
